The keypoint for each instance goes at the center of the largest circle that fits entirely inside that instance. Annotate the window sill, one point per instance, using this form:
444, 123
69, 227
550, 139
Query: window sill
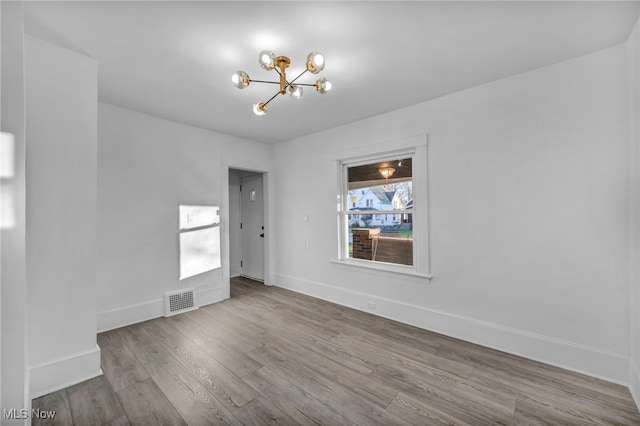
384, 267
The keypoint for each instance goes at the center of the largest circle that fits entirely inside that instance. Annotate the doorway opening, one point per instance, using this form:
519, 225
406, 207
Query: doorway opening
246, 225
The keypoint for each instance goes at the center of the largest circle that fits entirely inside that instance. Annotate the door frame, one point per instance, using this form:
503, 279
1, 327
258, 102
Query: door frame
269, 220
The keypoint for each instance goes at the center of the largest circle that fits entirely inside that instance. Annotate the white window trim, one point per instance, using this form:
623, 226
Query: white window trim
381, 266
415, 147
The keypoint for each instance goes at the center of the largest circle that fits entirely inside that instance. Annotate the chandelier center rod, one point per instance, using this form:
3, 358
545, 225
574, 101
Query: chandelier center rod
283, 62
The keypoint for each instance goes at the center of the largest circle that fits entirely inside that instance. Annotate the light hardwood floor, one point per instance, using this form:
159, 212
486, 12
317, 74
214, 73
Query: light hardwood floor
272, 356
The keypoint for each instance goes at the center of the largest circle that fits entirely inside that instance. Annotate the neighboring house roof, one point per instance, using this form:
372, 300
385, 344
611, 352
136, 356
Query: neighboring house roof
385, 197
363, 209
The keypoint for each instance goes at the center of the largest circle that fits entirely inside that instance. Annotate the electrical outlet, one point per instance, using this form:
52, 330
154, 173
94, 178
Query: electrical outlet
306, 245
371, 305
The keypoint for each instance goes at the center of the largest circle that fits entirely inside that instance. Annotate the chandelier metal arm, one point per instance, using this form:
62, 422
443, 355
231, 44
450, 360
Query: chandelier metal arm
264, 81
299, 75
272, 98
286, 84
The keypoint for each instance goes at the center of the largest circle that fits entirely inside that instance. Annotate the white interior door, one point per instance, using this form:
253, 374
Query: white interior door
252, 226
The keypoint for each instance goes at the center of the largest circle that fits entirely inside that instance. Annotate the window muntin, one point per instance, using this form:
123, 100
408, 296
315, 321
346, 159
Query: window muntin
377, 211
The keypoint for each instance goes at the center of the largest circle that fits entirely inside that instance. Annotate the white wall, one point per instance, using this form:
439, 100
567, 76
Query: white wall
61, 145
528, 207
633, 78
13, 369
147, 167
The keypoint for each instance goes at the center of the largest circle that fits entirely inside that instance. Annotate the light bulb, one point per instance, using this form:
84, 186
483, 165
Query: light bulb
315, 62
267, 59
323, 86
259, 109
387, 172
295, 91
240, 79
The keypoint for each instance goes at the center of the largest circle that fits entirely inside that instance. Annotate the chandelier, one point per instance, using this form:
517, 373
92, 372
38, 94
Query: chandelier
387, 172
269, 61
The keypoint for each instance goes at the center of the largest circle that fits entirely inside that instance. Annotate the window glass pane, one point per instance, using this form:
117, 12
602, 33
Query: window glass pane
383, 172
370, 239
382, 186
381, 198
379, 211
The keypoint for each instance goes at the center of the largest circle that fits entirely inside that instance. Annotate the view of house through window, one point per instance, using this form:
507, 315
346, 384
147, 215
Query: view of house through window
379, 211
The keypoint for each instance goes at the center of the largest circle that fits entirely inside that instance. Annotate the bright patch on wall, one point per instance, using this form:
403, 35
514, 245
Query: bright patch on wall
199, 240
7, 173
198, 216
7, 155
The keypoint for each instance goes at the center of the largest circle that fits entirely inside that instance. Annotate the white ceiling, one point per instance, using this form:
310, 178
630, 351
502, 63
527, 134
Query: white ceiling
175, 59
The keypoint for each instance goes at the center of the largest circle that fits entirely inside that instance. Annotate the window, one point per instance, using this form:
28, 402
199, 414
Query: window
396, 226
382, 230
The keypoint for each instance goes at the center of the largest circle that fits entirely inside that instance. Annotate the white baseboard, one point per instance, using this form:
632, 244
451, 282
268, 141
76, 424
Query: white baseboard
133, 314
63, 372
634, 382
208, 296
584, 359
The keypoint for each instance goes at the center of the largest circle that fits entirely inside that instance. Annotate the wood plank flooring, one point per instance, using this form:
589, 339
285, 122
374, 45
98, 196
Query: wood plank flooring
271, 356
